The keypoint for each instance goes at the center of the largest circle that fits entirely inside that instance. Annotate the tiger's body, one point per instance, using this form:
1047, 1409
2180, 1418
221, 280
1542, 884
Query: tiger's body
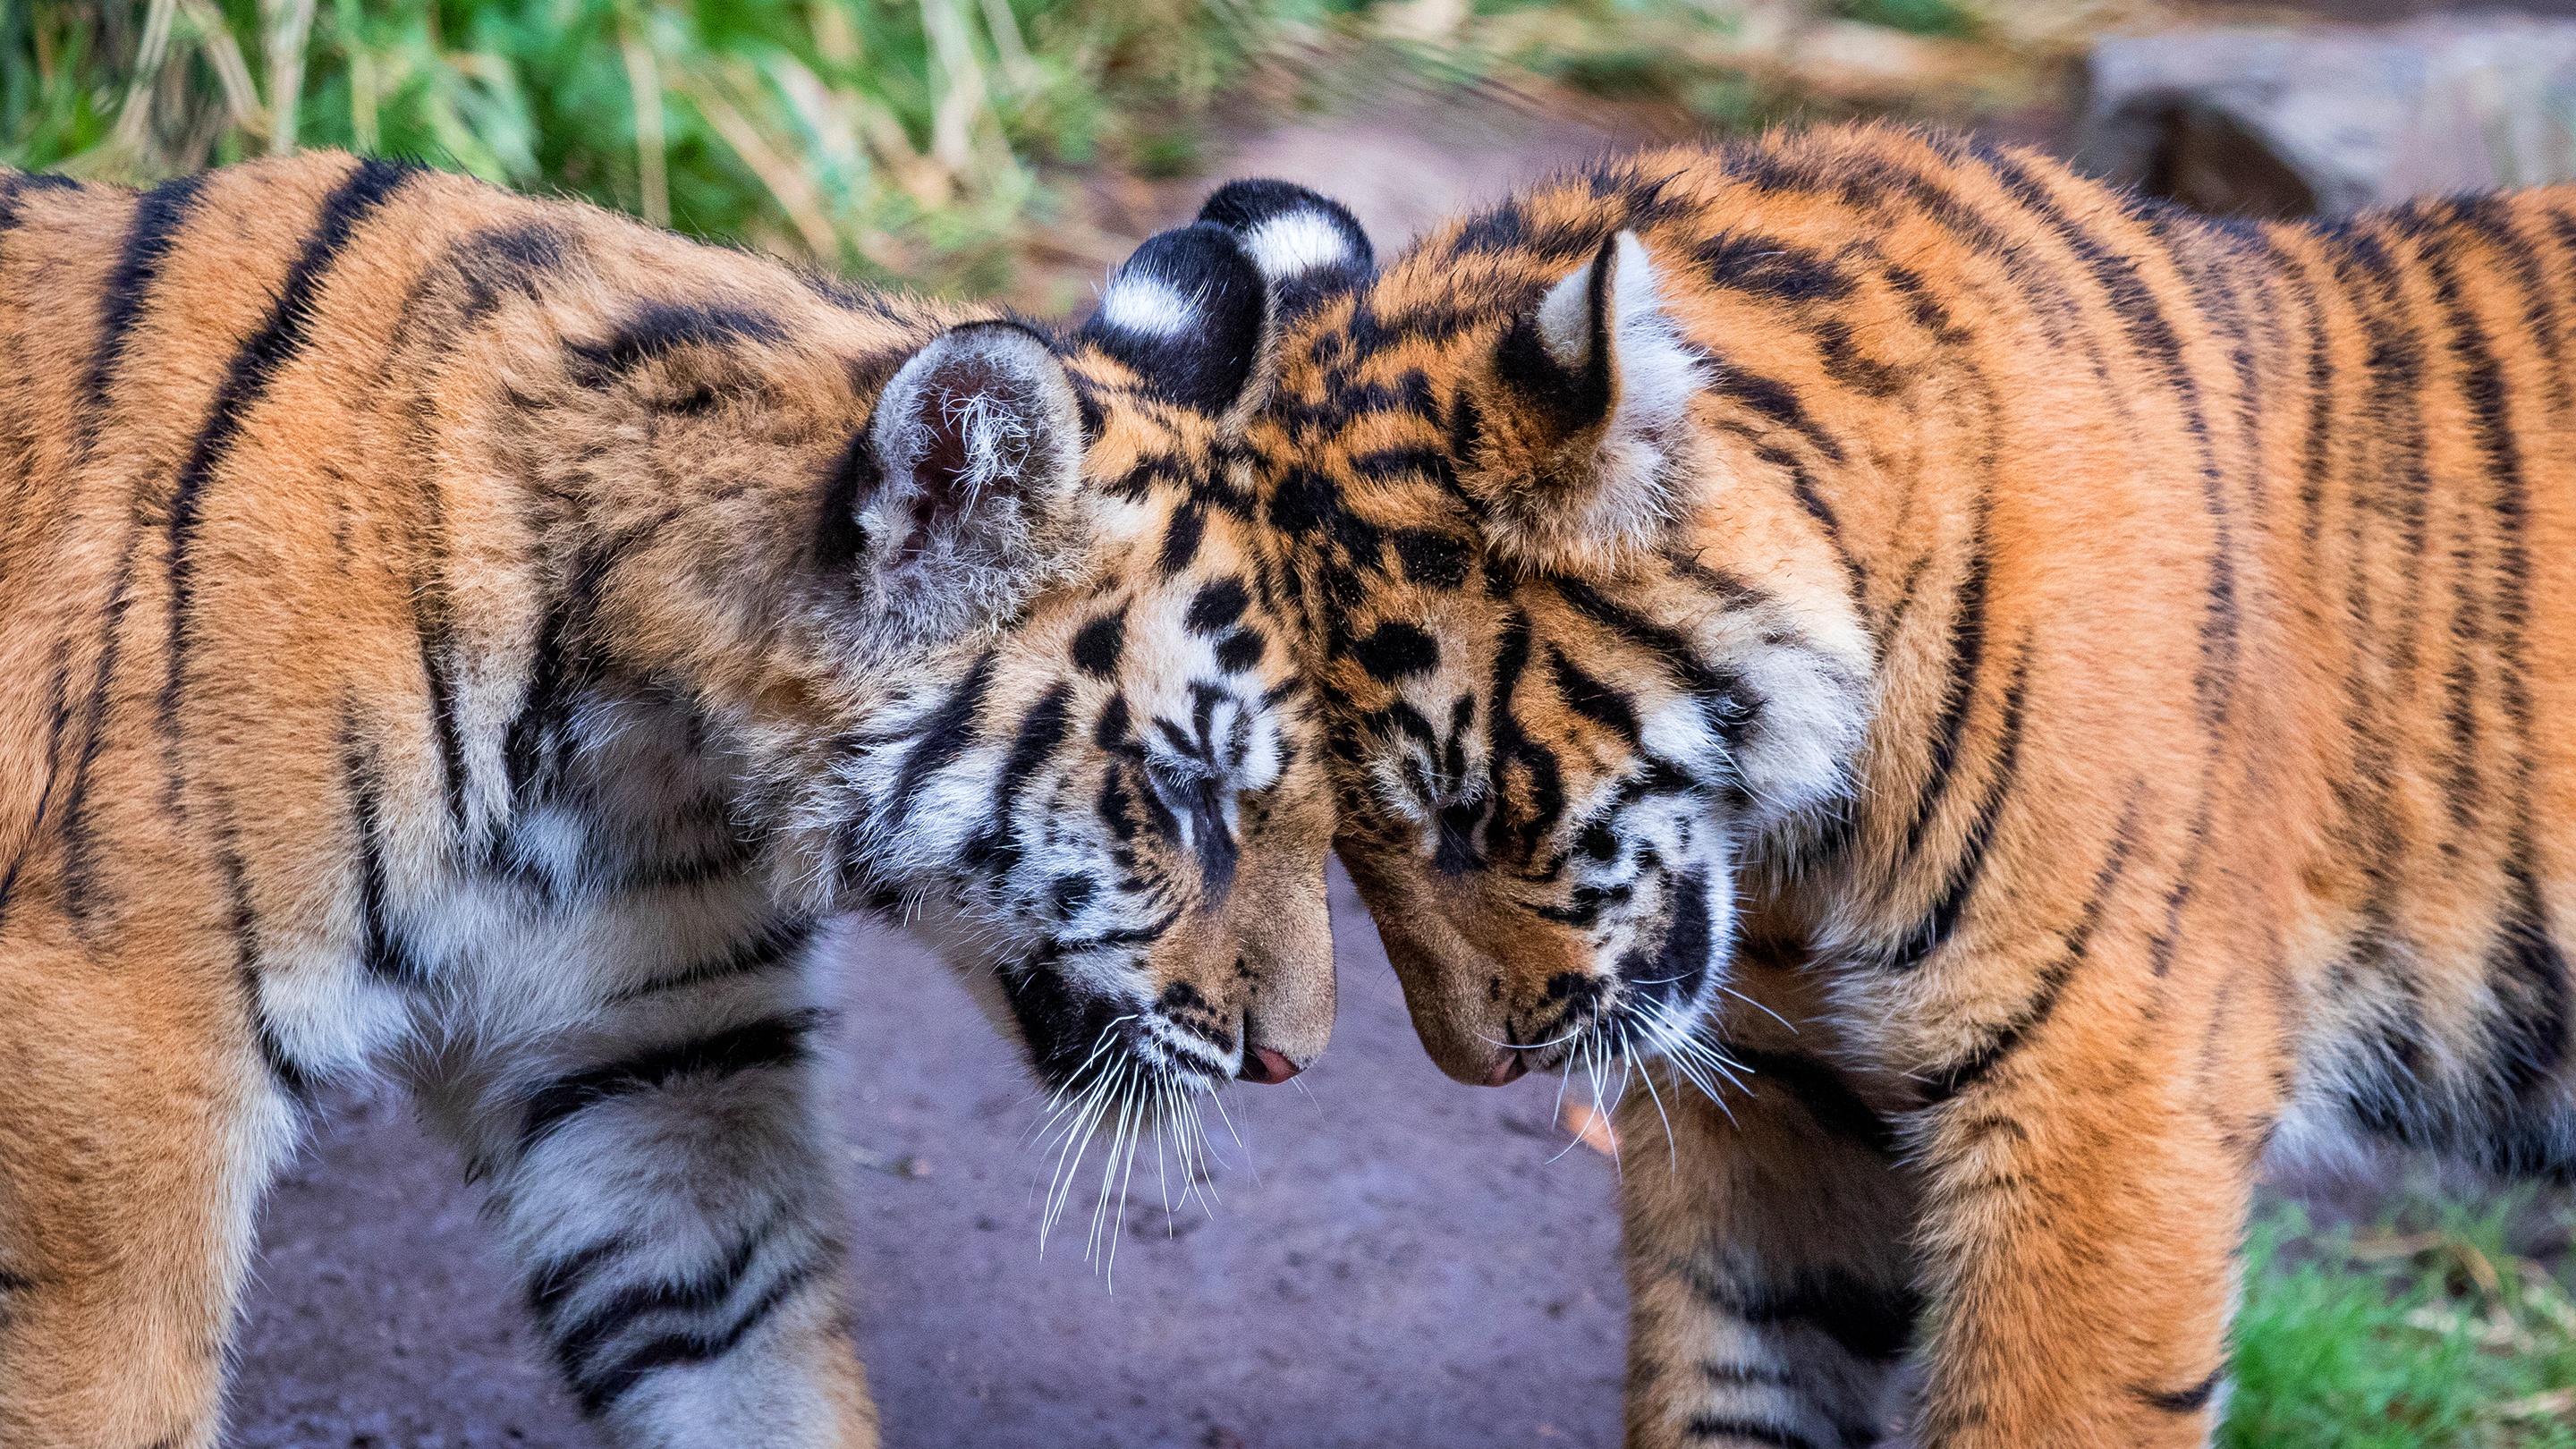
2058, 697
482, 640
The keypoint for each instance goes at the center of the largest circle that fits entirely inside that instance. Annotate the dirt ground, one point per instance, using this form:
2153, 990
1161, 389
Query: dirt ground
1395, 1260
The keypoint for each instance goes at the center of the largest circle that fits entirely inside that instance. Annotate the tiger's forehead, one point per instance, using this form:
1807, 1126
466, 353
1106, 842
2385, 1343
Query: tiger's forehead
1141, 441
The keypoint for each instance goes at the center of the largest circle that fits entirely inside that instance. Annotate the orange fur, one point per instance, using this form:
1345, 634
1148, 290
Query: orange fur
2101, 662
302, 648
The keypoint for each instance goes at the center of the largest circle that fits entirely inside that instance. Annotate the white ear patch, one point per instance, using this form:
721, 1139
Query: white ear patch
1565, 313
1147, 306
1658, 372
1626, 486
1297, 243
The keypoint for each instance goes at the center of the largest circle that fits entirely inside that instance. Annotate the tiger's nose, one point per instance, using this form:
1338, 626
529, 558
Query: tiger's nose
1268, 1067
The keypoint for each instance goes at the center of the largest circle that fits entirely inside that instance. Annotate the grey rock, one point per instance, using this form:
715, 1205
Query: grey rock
2329, 120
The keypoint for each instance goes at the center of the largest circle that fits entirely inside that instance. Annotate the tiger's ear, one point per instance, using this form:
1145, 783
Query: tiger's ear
1189, 314
964, 499
1594, 385
1308, 246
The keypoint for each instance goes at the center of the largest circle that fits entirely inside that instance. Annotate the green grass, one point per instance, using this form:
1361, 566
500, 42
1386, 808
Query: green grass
932, 142
903, 140
2419, 1340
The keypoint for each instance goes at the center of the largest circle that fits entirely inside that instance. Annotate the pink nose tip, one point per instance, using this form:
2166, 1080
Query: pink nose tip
1263, 1065
1507, 1071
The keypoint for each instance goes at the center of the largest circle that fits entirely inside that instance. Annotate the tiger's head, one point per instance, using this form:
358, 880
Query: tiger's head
1583, 657
974, 616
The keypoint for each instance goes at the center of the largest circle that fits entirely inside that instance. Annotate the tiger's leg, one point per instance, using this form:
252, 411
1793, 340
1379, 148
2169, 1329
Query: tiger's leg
138, 1126
662, 1181
2078, 1241
1770, 1290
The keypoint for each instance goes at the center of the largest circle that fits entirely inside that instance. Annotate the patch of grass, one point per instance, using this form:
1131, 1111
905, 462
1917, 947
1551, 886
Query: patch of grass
895, 138
2390, 1340
925, 141
1947, 19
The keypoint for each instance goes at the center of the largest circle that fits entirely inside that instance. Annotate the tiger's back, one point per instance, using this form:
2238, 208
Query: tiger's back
2097, 674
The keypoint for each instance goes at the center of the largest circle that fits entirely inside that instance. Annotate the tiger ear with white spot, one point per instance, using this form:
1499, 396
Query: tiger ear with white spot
962, 489
1189, 314
1593, 384
1307, 246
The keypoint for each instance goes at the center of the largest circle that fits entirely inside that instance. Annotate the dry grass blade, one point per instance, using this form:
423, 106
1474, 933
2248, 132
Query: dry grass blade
652, 151
287, 24
787, 181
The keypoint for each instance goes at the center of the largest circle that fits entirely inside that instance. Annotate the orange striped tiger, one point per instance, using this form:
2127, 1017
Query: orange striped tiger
482, 640
2006, 700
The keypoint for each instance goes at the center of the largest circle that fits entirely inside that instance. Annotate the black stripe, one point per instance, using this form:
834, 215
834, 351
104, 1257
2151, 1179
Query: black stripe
774, 944
1217, 605
158, 218
1181, 543
1764, 266
656, 329
1967, 652
577, 1344
561, 666
1721, 692
1703, 1427
945, 735
770, 1041
2183, 1401
1041, 730
381, 948
1820, 1091
13, 191
2491, 219
2008, 1038
58, 714
1866, 1320
1969, 867
430, 620
368, 186
1592, 699
676, 1349
289, 1074
2133, 301
1774, 400
557, 1279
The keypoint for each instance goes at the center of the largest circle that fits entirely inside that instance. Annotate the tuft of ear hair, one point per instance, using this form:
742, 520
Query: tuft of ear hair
1596, 383
1189, 313
1308, 246
963, 497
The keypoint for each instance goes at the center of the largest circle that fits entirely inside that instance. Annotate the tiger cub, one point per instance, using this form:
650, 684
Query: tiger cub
484, 641
1986, 703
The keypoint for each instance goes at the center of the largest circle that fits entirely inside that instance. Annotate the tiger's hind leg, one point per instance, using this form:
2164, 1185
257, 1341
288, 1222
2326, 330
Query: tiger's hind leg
138, 1125
1771, 1301
662, 1182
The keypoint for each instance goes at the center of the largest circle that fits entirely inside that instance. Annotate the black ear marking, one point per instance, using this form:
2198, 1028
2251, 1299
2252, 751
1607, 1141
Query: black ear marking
1188, 312
1307, 245
1557, 355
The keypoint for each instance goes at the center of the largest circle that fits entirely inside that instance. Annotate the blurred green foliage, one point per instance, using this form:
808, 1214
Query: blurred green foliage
2439, 1338
925, 141
921, 141
897, 139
